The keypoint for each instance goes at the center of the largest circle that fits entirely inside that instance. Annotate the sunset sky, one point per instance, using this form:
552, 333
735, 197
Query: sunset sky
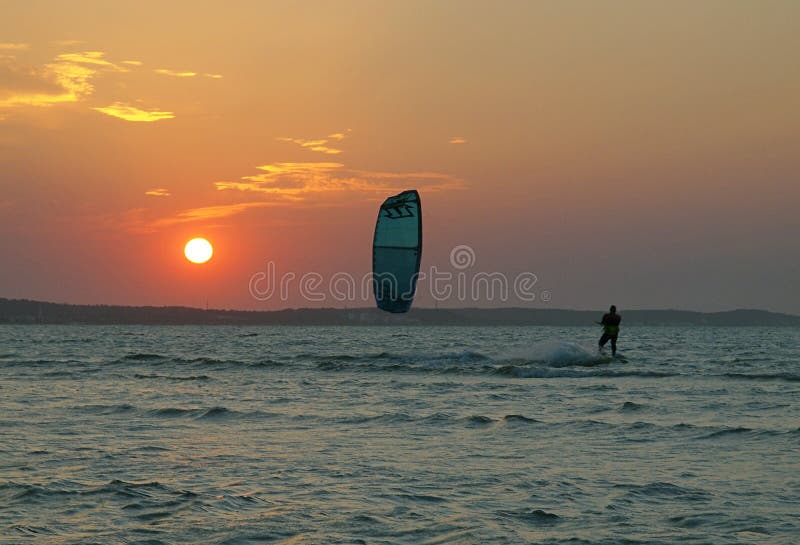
638, 153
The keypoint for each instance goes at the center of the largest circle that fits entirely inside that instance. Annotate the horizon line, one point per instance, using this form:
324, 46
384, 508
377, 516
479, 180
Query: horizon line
419, 308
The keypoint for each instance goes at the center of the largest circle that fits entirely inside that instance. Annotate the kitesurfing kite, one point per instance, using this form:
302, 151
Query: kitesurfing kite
397, 251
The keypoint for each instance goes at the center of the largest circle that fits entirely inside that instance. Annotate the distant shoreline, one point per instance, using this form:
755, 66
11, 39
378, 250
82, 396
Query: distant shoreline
24, 311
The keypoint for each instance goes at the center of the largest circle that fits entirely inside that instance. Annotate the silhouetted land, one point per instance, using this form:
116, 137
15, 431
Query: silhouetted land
22, 311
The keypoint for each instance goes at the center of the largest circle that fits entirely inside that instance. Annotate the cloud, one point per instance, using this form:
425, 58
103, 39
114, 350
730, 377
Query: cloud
6, 46
158, 192
24, 85
74, 78
298, 181
293, 184
174, 73
207, 213
458, 140
94, 58
339, 135
213, 76
313, 145
318, 144
132, 113
67, 79
141, 220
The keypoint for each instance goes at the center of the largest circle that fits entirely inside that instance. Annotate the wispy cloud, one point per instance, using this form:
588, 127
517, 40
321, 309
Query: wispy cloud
70, 77
23, 85
158, 192
318, 144
7, 46
67, 79
298, 181
175, 73
94, 58
291, 184
127, 112
74, 78
458, 140
313, 145
208, 213
142, 221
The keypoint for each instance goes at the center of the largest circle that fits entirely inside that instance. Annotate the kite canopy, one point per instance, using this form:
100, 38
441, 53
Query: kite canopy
397, 251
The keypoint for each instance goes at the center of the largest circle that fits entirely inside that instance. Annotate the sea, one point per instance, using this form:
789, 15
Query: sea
155, 435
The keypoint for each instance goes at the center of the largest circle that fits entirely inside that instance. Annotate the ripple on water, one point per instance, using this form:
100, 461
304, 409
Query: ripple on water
535, 517
662, 492
393, 436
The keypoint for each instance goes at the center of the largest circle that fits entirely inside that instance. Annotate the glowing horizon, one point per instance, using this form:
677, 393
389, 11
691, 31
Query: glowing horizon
645, 155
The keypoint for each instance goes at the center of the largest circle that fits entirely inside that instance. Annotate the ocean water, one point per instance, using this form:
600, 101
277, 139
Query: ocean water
294, 435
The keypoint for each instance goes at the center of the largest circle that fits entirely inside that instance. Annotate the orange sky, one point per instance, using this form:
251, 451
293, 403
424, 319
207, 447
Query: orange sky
630, 152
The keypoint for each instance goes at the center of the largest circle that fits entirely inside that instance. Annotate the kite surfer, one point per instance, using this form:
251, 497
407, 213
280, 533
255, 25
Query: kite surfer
610, 323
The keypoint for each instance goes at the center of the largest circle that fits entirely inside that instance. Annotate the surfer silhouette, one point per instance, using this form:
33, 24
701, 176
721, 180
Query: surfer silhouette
610, 323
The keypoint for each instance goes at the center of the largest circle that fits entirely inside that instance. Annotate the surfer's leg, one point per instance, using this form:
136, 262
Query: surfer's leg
613, 345
603, 340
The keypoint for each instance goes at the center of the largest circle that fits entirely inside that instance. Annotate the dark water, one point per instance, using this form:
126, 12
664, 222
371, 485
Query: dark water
167, 435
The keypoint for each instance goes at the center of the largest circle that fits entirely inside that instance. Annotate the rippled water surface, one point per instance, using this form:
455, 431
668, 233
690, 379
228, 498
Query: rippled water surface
167, 435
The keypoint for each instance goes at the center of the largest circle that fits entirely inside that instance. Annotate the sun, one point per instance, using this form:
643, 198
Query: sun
198, 250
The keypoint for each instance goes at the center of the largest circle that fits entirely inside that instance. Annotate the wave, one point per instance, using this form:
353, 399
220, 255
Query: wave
521, 419
212, 413
788, 377
536, 517
479, 420
727, 432
142, 356
25, 491
444, 419
266, 364
105, 409
440, 419
630, 406
741, 431
664, 491
41, 362
28, 493
208, 361
32, 531
148, 358
448, 362
145, 502
218, 412
424, 498
559, 372
557, 354
59, 374
550, 360
172, 412
168, 377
